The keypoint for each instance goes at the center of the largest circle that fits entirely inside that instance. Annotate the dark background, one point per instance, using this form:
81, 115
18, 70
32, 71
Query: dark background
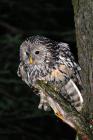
19, 114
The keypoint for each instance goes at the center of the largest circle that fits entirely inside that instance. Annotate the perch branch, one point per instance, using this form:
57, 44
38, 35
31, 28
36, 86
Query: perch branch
70, 116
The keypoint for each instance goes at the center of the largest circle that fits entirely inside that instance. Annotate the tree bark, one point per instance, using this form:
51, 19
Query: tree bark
83, 16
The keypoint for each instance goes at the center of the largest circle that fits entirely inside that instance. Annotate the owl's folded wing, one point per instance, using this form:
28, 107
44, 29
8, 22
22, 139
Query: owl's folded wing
69, 90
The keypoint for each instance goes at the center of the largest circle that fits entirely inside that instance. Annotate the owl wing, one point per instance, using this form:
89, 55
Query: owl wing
66, 58
68, 73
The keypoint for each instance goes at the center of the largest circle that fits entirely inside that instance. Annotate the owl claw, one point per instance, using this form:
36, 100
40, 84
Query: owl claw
40, 106
44, 106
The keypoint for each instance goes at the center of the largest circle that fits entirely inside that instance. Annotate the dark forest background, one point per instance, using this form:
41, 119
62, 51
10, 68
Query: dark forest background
19, 114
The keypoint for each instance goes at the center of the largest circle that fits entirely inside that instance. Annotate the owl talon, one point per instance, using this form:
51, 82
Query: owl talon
44, 106
40, 106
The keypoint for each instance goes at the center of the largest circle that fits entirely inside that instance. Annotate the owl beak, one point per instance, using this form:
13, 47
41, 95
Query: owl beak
30, 60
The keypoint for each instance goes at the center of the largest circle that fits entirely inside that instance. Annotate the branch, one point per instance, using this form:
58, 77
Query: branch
68, 114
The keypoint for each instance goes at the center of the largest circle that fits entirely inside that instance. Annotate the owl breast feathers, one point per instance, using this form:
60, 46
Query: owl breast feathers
53, 62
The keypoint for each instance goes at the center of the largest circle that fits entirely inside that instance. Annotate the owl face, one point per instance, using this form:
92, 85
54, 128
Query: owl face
35, 59
34, 53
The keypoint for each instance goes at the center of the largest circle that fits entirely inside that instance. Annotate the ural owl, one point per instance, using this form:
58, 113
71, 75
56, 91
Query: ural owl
44, 59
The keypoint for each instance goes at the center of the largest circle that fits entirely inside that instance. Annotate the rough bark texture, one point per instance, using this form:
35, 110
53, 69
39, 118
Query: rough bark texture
83, 15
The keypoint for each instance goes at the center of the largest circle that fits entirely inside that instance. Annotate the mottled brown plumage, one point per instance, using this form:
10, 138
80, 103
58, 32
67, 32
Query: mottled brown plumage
53, 62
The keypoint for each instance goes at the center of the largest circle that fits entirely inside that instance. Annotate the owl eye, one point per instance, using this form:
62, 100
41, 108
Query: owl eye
27, 53
36, 52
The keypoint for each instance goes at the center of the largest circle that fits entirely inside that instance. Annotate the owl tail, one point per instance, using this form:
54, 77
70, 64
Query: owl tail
73, 95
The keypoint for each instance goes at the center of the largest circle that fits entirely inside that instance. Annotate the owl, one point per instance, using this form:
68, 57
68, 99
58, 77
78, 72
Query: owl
44, 59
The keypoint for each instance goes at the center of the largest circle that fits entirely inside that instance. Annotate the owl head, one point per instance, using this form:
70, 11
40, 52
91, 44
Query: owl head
36, 51
36, 58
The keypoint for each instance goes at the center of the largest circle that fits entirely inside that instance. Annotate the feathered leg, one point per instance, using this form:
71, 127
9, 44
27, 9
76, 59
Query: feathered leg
43, 102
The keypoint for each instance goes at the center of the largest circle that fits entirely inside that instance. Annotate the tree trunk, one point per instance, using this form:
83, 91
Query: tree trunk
83, 16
